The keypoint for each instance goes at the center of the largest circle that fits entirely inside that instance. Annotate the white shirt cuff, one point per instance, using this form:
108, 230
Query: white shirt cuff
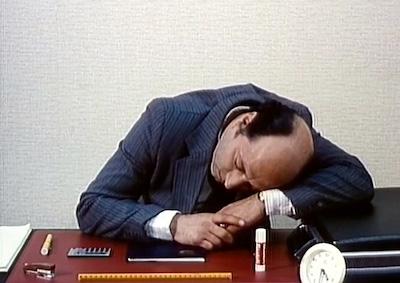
277, 203
158, 226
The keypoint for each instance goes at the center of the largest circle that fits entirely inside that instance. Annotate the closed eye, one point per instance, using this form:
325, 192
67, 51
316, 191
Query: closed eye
239, 165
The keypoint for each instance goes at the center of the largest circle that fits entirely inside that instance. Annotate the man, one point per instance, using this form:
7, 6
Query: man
201, 167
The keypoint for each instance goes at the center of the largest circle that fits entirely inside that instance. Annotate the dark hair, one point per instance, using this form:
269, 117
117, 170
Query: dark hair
272, 118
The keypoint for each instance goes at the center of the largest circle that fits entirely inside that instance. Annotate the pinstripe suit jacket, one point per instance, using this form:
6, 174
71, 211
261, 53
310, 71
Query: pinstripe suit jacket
163, 161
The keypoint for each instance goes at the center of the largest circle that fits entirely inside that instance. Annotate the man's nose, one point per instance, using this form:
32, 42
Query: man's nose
234, 179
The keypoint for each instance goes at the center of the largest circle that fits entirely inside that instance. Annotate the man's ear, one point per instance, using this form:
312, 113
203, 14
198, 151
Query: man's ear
247, 118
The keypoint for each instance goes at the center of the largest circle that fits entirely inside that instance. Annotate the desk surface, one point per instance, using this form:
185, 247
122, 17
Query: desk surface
281, 266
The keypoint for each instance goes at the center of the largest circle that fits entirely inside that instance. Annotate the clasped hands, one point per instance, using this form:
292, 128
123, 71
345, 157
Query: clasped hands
214, 230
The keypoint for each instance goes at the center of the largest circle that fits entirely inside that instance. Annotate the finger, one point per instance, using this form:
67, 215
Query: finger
233, 229
222, 233
227, 219
213, 239
206, 245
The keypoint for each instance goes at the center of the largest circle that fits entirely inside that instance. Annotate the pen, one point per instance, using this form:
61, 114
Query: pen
46, 247
152, 276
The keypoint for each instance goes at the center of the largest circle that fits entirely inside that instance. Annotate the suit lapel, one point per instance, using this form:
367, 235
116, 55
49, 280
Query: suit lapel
190, 171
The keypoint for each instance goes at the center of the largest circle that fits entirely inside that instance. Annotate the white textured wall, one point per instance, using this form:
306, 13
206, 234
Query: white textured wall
75, 75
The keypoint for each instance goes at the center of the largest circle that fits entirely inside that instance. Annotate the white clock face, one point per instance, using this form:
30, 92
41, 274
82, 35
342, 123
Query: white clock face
322, 263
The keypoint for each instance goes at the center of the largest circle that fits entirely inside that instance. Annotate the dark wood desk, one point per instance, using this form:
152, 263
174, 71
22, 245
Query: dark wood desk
281, 266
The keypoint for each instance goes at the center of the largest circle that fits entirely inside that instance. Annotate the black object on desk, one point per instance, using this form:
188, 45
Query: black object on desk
164, 251
368, 236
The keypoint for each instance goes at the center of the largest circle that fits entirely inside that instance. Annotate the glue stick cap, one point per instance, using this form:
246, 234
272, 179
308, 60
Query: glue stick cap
261, 235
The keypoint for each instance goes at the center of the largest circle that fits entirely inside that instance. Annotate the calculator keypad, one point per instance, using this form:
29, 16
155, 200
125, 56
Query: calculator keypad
89, 252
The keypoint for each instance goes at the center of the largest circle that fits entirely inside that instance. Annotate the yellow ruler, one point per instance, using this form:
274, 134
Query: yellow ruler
153, 276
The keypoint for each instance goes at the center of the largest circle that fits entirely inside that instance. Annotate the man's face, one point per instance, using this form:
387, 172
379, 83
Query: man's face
261, 163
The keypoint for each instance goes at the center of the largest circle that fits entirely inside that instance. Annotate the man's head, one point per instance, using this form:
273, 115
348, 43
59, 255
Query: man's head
264, 148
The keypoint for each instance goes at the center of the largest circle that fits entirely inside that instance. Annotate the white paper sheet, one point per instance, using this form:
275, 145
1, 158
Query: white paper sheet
12, 239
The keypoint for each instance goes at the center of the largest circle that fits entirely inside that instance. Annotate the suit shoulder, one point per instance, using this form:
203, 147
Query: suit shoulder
198, 101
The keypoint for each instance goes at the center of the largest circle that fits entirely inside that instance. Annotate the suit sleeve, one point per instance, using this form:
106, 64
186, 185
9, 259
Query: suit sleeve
111, 206
333, 178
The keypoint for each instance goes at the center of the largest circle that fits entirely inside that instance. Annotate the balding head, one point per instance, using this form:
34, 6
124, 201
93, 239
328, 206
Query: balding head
252, 156
282, 157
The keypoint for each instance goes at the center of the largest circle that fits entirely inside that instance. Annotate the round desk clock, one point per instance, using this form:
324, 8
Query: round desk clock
322, 263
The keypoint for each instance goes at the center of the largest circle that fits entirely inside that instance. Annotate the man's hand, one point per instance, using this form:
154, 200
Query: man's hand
203, 229
250, 209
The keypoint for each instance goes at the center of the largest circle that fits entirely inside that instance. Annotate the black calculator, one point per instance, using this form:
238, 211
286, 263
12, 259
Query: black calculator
89, 252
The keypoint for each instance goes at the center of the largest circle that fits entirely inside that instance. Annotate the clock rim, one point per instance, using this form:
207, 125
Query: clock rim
318, 248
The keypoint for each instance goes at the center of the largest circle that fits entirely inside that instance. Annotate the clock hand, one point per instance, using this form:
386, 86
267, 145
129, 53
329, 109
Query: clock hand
322, 276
